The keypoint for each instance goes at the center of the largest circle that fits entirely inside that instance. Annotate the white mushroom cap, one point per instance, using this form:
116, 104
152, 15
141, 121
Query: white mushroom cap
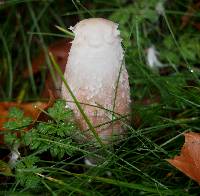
92, 71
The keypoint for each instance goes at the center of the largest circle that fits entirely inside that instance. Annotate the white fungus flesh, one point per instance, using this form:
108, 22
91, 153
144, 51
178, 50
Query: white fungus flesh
97, 76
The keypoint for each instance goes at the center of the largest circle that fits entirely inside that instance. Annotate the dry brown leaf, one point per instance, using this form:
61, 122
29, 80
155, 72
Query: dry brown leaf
60, 50
189, 160
186, 18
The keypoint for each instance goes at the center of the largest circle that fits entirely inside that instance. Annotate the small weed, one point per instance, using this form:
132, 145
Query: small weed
165, 102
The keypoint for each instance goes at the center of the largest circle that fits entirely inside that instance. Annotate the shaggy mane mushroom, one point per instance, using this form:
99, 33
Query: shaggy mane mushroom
96, 74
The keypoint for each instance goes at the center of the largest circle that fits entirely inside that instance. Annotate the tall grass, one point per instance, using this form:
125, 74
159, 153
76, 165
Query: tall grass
165, 102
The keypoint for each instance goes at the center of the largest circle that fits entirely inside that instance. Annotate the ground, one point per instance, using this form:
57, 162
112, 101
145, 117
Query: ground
161, 43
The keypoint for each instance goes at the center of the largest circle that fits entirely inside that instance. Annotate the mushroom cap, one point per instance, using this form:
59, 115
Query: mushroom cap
95, 31
96, 74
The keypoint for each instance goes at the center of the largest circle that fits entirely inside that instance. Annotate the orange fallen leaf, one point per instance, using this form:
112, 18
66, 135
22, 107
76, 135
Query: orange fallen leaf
33, 110
189, 160
30, 109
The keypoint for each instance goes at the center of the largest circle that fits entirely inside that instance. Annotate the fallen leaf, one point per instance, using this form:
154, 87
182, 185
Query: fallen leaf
42, 116
185, 19
189, 160
33, 110
189, 14
30, 109
60, 50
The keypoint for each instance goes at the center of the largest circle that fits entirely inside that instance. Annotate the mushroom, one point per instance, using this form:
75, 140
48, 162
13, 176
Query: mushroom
97, 76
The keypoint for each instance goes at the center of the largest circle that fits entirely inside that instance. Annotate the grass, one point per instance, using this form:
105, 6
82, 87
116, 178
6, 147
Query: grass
165, 102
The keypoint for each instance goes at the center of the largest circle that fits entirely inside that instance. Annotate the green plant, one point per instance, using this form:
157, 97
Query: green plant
56, 136
165, 103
